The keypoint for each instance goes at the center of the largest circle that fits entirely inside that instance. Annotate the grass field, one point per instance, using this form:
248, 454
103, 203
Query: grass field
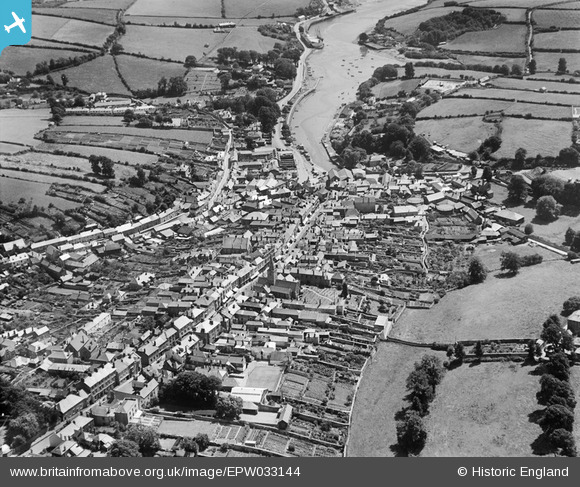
187, 428
463, 134
175, 44
141, 73
48, 179
59, 45
391, 88
19, 126
112, 4
575, 383
483, 411
176, 8
99, 74
460, 106
520, 95
24, 59
490, 60
133, 158
75, 120
249, 38
70, 30
506, 38
548, 61
511, 3
253, 8
513, 14
105, 16
557, 40
203, 80
513, 307
454, 74
380, 395
558, 18
536, 136
13, 189
526, 84
407, 24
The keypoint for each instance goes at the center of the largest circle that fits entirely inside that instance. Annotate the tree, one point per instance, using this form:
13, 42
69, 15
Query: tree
363, 37
268, 118
459, 352
95, 164
145, 437
284, 68
532, 66
520, 159
190, 61
570, 236
487, 174
420, 388
473, 172
433, 367
25, 425
144, 122
547, 208
557, 417
547, 185
478, 350
517, 189
228, 407
563, 441
477, 271
202, 441
516, 70
562, 66
554, 391
125, 448
388, 71
409, 70
569, 157
419, 147
116, 48
570, 305
64, 79
128, 116
554, 334
411, 433
107, 168
510, 262
529, 229
559, 366
192, 388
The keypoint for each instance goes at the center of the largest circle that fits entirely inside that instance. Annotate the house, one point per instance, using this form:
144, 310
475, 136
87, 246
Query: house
71, 405
126, 411
509, 217
574, 322
82, 346
139, 389
100, 382
284, 416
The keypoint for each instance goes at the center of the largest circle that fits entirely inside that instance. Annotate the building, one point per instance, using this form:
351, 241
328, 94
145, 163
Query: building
574, 322
100, 382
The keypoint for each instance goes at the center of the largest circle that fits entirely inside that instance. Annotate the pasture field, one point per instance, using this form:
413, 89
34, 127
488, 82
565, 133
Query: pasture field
557, 18
557, 40
96, 120
506, 38
490, 60
70, 30
519, 95
105, 16
20, 126
483, 411
112, 4
121, 156
511, 3
176, 8
527, 84
23, 59
210, 21
380, 395
6, 148
13, 189
463, 134
99, 74
575, 383
141, 73
247, 38
407, 24
575, 5
501, 307
175, 44
47, 179
420, 71
548, 61
513, 14
237, 9
59, 45
536, 136
459, 106
391, 88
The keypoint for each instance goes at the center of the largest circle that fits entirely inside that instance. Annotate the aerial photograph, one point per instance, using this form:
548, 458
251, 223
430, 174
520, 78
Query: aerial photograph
290, 228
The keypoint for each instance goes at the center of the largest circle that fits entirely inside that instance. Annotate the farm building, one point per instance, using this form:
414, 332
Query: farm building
509, 217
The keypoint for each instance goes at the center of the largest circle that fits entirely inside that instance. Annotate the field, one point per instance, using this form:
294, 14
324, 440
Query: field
202, 80
483, 411
460, 106
513, 14
132, 158
105, 16
237, 9
99, 120
164, 42
506, 38
536, 136
141, 74
176, 8
526, 84
558, 18
13, 189
575, 383
47, 179
187, 428
557, 40
407, 24
391, 88
248, 38
263, 375
112, 4
70, 30
454, 74
520, 95
499, 308
490, 60
380, 395
511, 3
19, 126
34, 42
548, 61
10, 148
20, 60
463, 134
96, 75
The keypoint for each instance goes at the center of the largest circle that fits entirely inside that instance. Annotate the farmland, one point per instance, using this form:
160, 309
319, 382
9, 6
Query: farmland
463, 134
513, 14
505, 38
490, 60
537, 136
407, 24
132, 158
70, 30
519, 95
176, 8
557, 40
483, 411
203, 80
237, 9
104, 16
548, 61
391, 88
526, 84
99, 74
19, 126
499, 308
20, 60
92, 120
249, 38
558, 18
13, 189
112, 4
142, 74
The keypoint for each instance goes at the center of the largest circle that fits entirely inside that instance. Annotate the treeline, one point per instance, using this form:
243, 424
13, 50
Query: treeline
229, 55
60, 63
503, 69
174, 86
452, 25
